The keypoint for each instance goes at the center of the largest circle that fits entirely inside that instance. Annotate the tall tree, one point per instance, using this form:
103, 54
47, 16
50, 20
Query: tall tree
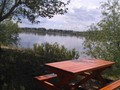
8, 33
105, 40
31, 9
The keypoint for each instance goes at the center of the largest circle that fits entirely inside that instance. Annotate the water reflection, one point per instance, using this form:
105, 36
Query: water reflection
27, 40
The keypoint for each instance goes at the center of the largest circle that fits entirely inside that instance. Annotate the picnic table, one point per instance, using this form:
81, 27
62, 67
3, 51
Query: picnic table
67, 71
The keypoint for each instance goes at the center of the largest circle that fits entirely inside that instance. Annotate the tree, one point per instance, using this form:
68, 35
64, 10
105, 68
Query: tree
30, 9
8, 33
105, 40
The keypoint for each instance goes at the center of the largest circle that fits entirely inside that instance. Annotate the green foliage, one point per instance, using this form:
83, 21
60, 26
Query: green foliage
55, 52
31, 9
106, 34
8, 33
104, 38
18, 67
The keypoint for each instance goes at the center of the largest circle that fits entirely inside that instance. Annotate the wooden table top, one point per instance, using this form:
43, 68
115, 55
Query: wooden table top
79, 66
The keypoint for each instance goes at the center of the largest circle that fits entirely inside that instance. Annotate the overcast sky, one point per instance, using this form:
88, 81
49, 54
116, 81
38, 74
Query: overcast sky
81, 14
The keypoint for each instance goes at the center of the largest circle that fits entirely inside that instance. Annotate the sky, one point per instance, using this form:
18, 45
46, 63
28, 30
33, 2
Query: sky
81, 14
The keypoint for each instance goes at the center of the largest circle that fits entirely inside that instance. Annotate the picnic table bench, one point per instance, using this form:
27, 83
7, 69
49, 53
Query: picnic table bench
46, 77
112, 86
44, 80
67, 71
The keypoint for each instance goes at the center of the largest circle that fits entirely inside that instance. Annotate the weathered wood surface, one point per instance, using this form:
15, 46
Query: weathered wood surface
79, 66
46, 77
112, 86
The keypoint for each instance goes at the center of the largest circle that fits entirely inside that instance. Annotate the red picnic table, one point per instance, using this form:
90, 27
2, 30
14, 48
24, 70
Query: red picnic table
67, 71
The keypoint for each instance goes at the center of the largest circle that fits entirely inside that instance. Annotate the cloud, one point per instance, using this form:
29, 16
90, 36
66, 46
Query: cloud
81, 14
82, 17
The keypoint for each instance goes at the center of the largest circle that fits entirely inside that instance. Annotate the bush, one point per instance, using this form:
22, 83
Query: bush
8, 33
18, 67
54, 52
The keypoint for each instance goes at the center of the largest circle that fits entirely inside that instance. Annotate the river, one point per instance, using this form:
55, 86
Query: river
27, 40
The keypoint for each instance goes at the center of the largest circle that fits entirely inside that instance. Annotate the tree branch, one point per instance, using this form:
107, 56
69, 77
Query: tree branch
2, 9
10, 11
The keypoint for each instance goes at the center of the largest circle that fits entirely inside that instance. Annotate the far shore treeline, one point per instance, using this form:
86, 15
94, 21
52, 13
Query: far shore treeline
54, 31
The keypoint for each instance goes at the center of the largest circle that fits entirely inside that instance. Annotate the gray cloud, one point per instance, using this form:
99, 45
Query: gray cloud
78, 17
83, 14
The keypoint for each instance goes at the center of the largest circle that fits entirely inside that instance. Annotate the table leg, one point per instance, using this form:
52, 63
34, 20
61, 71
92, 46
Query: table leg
64, 78
97, 75
93, 75
64, 81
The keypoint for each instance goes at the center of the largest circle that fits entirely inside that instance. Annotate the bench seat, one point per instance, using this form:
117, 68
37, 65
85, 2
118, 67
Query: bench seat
112, 86
44, 81
46, 77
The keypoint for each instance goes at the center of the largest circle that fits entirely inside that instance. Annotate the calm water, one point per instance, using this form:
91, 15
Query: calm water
27, 40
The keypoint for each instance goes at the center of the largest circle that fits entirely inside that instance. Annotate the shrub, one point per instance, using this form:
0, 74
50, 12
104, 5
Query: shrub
55, 52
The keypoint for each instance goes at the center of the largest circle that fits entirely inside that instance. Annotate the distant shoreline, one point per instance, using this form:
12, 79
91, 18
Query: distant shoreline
54, 31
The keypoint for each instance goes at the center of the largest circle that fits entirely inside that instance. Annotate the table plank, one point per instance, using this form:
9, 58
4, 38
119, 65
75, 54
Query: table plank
79, 66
